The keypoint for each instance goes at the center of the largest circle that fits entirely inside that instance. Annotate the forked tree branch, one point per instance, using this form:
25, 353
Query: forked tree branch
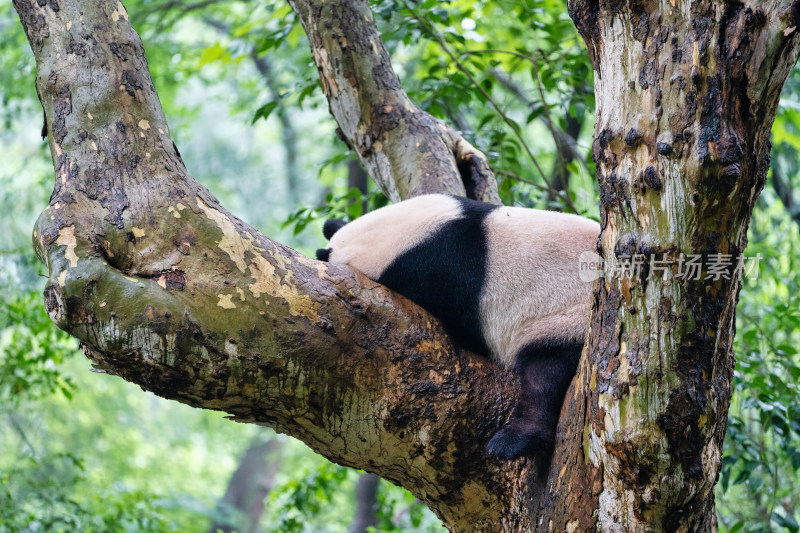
167, 289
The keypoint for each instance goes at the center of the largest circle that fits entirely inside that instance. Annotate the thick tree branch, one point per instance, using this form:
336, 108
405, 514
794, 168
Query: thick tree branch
168, 290
405, 150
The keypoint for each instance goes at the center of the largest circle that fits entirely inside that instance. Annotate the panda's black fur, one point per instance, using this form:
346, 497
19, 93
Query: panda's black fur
445, 274
445, 265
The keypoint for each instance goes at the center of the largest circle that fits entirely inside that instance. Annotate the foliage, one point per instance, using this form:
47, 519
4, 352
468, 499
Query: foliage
509, 75
348, 206
758, 488
32, 351
399, 511
40, 495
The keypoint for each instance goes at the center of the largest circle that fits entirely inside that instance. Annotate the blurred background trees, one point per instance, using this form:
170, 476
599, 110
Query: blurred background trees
80, 451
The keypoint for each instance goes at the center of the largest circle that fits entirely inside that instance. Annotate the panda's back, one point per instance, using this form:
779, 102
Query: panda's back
533, 279
477, 267
445, 271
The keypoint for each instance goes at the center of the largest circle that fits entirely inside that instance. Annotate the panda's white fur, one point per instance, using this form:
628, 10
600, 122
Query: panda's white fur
532, 306
371, 242
533, 279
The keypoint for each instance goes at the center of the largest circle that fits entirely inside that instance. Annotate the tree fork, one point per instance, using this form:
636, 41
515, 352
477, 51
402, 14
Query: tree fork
166, 289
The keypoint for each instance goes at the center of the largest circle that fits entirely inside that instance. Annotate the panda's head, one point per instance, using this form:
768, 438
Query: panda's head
373, 241
329, 229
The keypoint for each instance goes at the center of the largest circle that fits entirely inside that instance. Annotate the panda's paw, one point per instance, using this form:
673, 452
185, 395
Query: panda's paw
508, 444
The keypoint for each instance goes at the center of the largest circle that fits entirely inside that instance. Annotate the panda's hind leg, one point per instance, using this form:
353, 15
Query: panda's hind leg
546, 369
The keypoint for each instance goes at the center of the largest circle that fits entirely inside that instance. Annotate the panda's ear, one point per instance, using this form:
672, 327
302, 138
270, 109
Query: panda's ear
323, 254
332, 226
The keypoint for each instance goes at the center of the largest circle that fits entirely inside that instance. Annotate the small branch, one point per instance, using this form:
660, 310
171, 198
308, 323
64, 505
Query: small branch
517, 177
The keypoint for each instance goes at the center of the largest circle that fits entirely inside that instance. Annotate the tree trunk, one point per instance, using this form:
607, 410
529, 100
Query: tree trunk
366, 504
782, 185
686, 95
167, 289
243, 504
357, 178
289, 138
564, 150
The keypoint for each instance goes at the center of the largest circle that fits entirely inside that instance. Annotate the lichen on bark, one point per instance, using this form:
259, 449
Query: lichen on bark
167, 289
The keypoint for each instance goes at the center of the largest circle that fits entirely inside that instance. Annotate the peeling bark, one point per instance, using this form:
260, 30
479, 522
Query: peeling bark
405, 150
166, 289
687, 92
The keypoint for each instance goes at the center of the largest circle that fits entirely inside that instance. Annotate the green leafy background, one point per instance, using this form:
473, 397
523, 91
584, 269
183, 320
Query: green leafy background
88, 452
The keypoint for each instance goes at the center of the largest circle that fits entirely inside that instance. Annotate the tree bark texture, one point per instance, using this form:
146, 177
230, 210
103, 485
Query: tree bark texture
686, 95
166, 289
405, 150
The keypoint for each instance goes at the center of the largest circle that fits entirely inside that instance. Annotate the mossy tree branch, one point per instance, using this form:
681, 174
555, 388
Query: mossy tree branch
166, 289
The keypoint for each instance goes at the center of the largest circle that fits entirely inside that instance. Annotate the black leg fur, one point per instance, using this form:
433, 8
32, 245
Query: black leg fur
546, 370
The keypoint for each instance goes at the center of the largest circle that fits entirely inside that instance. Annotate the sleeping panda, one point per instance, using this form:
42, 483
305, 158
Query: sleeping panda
504, 282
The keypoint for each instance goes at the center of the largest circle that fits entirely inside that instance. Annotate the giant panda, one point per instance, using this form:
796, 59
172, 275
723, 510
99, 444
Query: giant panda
504, 282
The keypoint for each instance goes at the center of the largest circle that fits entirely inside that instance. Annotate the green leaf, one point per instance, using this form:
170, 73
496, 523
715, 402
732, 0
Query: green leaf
736, 527
264, 111
213, 53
